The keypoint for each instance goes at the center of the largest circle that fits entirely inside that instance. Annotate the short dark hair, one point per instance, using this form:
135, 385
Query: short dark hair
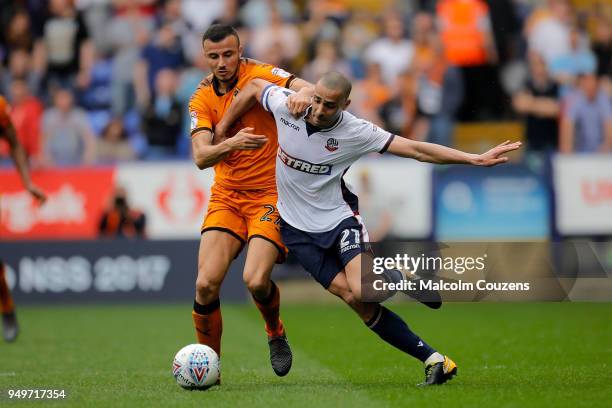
218, 32
337, 81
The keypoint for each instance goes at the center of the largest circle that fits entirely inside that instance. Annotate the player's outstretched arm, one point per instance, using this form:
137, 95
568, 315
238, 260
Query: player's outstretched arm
19, 158
438, 154
205, 154
239, 106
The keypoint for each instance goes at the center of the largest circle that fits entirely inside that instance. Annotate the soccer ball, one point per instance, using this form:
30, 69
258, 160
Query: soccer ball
196, 366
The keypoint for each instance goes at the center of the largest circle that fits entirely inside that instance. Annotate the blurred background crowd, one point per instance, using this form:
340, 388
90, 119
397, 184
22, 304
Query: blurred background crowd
106, 81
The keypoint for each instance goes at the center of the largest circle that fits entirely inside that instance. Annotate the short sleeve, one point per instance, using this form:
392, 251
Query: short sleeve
199, 115
371, 138
273, 98
272, 74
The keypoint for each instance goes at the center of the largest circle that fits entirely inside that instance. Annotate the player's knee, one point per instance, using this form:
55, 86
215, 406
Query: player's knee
257, 285
207, 289
349, 297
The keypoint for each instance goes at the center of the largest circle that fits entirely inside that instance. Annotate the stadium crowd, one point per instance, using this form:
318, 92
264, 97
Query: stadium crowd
101, 81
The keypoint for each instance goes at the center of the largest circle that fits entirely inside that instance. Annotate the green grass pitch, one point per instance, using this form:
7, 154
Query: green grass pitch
509, 355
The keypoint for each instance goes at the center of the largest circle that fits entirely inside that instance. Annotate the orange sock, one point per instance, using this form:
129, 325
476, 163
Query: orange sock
6, 300
270, 311
208, 324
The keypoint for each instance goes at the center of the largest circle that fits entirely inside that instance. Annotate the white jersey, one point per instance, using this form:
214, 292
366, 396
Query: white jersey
310, 164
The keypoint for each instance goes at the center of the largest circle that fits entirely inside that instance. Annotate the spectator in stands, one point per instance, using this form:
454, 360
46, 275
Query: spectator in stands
96, 14
579, 59
370, 94
258, 13
113, 145
326, 59
67, 46
586, 125
231, 17
127, 33
425, 42
318, 26
538, 102
439, 96
277, 32
393, 52
505, 28
18, 33
439, 86
170, 14
164, 52
602, 47
548, 30
22, 66
121, 221
161, 119
399, 113
67, 135
358, 31
467, 40
26, 115
199, 14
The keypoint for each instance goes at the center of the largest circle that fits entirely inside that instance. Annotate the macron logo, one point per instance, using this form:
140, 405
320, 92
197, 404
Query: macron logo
291, 125
302, 165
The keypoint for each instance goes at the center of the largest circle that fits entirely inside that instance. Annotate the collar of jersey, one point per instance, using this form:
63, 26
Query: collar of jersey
310, 129
215, 82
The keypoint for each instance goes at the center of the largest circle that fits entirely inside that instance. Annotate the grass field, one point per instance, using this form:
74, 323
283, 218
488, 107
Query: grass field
509, 355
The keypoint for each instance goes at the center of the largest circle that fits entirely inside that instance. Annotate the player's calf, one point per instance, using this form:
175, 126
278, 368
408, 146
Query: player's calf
281, 357
10, 328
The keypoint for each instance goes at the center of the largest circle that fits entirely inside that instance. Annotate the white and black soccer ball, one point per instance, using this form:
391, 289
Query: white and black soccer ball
196, 366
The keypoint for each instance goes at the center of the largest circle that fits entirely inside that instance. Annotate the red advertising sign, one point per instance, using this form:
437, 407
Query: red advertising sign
76, 200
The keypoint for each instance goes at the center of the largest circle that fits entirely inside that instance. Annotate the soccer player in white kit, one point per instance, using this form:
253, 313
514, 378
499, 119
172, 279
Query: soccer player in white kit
319, 221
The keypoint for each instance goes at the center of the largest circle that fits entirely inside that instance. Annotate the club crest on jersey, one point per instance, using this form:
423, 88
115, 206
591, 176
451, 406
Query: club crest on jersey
236, 91
303, 165
332, 144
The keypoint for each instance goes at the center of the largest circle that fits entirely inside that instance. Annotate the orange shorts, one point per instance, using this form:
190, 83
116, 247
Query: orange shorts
245, 214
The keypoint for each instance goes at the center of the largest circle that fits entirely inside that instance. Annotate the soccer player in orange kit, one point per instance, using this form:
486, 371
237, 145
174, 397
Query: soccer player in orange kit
242, 207
10, 328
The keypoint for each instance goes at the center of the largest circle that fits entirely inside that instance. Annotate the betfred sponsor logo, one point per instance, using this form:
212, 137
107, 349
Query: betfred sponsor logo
303, 165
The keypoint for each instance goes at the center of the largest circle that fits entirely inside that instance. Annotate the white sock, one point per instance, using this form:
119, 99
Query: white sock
434, 358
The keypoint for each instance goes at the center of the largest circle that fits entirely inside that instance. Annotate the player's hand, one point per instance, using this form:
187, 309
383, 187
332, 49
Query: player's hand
496, 155
297, 103
245, 140
37, 193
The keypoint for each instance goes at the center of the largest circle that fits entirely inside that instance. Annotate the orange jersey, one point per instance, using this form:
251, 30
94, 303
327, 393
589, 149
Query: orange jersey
4, 113
241, 169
